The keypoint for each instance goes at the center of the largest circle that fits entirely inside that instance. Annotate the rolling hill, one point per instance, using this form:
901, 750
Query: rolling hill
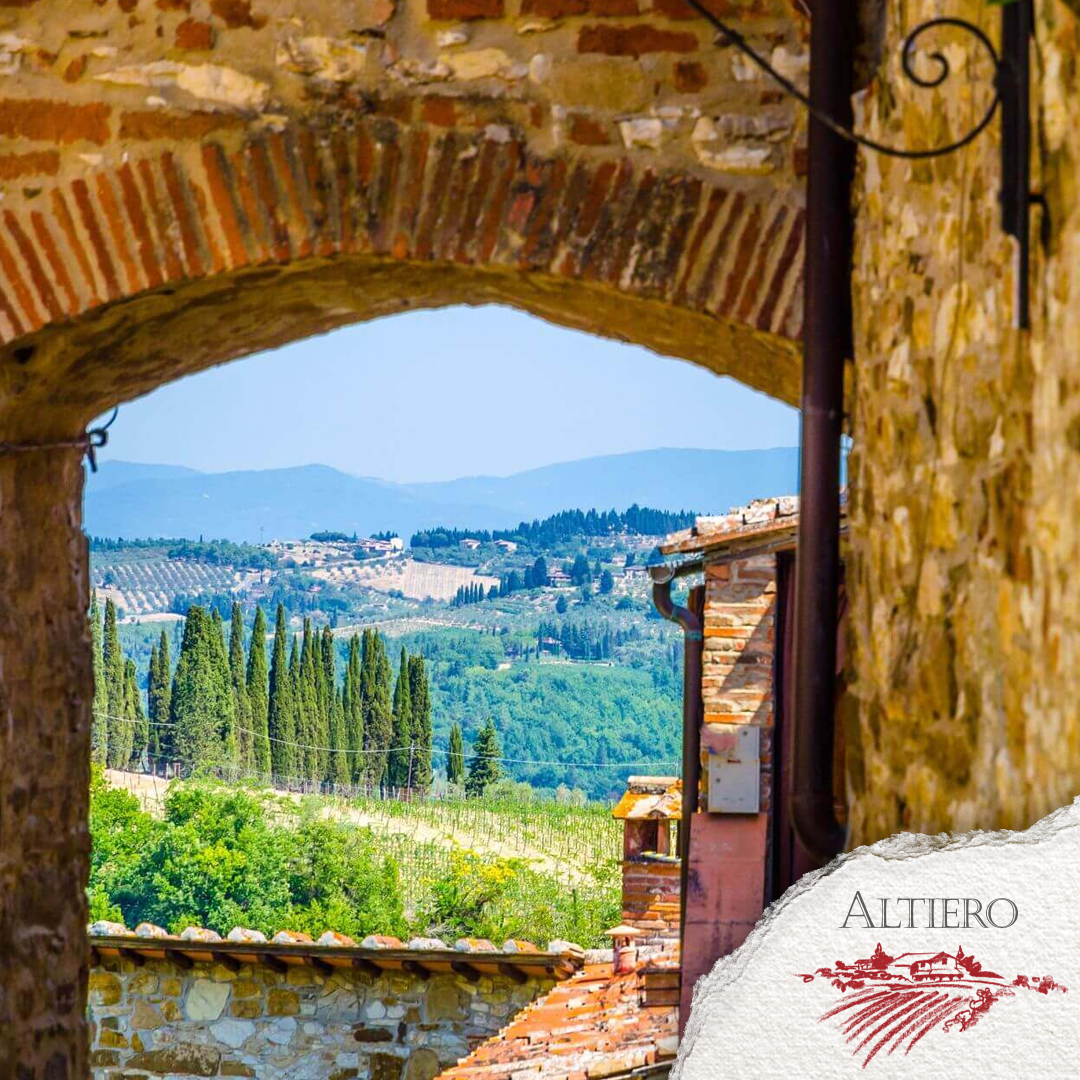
132, 500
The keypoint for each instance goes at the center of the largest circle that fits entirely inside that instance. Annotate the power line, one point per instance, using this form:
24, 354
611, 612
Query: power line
412, 746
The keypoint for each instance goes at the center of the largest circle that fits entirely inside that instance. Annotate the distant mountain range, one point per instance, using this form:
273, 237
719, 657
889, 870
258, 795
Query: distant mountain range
131, 500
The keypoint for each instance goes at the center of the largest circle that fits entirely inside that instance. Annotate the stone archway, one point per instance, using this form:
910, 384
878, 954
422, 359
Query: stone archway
188, 181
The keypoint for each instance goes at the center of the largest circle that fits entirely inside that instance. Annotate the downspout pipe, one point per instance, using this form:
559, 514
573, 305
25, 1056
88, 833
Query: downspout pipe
827, 345
693, 644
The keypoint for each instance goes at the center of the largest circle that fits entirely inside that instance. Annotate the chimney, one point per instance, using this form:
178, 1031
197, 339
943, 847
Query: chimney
624, 948
650, 870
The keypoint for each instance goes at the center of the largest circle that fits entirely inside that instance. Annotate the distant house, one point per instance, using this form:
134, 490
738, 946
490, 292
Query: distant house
636, 572
921, 967
558, 578
469, 544
506, 545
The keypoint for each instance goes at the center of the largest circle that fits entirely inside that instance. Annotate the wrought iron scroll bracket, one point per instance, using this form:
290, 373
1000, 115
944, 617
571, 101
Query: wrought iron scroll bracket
1011, 92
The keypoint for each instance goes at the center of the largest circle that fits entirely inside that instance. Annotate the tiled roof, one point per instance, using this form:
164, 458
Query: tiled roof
764, 521
650, 797
594, 1025
760, 519
470, 957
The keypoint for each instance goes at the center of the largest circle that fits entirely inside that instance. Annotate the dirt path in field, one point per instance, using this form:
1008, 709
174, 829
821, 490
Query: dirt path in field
150, 791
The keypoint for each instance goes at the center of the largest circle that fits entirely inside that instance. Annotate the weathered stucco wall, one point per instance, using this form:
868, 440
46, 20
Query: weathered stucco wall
159, 1019
965, 475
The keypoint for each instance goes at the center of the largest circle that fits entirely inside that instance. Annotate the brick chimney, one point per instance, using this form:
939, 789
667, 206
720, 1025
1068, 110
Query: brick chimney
650, 869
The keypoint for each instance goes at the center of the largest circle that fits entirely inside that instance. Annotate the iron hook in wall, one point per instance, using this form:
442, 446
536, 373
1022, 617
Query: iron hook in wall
1011, 92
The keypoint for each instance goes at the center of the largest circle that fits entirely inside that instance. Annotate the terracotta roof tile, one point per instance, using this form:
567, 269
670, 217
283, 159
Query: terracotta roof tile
591, 1026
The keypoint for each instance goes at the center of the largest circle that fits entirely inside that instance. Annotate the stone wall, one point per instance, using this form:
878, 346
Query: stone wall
965, 472
160, 1019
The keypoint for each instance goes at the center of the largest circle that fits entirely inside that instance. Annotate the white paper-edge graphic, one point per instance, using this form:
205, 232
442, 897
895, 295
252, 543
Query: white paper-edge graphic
773, 1008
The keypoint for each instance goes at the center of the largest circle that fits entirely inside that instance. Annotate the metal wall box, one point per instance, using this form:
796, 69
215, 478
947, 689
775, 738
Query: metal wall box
734, 767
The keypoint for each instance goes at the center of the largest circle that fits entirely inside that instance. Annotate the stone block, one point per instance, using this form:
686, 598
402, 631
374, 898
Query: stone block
282, 1003
206, 1000
187, 1059
386, 1067
444, 1001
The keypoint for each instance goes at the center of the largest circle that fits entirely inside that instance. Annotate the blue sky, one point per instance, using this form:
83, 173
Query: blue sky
434, 395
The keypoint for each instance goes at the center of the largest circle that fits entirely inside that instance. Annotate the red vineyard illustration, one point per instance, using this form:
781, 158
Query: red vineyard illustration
890, 1003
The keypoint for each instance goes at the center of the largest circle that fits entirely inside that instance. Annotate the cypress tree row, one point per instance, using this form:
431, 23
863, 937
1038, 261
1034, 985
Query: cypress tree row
99, 723
455, 760
295, 721
258, 695
281, 732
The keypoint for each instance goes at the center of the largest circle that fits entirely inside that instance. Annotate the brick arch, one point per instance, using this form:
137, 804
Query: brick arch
151, 260
185, 181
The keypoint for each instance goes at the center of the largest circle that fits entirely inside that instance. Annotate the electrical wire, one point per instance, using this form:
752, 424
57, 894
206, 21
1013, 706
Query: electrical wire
411, 747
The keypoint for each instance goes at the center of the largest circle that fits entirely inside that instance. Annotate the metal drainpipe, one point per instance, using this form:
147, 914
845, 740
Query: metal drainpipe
662, 578
828, 344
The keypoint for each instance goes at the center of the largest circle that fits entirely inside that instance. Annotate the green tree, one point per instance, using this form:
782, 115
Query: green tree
455, 761
200, 707
400, 756
281, 732
375, 678
354, 712
308, 726
607, 582
99, 722
420, 772
158, 702
561, 605
258, 695
119, 739
136, 718
223, 680
245, 745
331, 733
484, 768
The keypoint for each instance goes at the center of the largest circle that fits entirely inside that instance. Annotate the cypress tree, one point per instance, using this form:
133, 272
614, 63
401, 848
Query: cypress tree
280, 704
136, 717
258, 695
308, 729
375, 677
455, 761
238, 679
295, 681
200, 697
340, 766
118, 740
332, 731
223, 688
354, 713
99, 723
158, 702
400, 757
420, 698
484, 768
